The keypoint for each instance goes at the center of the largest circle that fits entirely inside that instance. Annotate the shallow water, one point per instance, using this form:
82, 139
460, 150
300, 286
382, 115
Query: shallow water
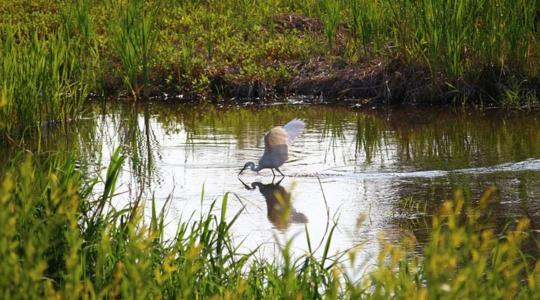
377, 175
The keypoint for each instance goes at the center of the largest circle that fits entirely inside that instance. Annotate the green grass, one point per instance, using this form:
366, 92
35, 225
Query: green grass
61, 239
330, 15
43, 79
134, 35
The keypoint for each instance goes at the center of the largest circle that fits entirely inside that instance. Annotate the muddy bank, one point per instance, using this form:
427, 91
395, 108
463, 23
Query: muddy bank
372, 83
331, 77
376, 82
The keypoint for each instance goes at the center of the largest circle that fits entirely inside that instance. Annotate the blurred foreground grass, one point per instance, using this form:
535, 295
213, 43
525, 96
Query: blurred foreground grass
61, 240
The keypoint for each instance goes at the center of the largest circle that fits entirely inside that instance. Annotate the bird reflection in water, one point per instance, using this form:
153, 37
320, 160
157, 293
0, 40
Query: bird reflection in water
278, 204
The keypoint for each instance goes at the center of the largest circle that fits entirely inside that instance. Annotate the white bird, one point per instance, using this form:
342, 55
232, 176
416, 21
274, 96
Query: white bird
276, 147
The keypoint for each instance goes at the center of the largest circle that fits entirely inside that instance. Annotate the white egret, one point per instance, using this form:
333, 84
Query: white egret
276, 147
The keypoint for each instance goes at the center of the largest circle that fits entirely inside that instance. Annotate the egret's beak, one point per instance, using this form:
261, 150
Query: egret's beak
242, 171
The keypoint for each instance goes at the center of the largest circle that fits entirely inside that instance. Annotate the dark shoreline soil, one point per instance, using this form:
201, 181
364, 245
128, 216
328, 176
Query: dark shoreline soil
375, 80
333, 80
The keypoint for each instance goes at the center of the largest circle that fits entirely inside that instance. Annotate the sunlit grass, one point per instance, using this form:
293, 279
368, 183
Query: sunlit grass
181, 45
43, 79
134, 35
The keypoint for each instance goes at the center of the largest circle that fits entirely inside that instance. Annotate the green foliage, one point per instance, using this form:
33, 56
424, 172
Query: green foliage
331, 15
462, 35
41, 80
54, 244
463, 259
44, 79
133, 39
367, 22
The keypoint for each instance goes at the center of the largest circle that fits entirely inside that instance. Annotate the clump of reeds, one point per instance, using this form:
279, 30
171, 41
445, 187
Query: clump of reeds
134, 35
43, 79
464, 258
330, 15
367, 22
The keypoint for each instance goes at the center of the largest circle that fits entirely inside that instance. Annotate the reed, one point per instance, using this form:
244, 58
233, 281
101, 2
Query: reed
330, 15
367, 22
42, 80
134, 35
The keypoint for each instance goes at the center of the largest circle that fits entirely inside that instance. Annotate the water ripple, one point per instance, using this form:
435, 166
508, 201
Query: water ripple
521, 166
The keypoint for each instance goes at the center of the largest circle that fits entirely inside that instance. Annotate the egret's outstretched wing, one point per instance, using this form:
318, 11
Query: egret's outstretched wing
294, 128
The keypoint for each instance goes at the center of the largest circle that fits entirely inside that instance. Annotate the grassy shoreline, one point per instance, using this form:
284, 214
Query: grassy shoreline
55, 55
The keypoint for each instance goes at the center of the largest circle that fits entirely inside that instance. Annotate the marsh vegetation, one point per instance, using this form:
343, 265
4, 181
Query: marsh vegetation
118, 177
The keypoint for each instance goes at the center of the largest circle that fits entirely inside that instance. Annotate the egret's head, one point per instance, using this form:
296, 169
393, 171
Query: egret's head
247, 165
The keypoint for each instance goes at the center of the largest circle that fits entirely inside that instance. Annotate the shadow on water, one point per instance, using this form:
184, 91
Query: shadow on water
280, 210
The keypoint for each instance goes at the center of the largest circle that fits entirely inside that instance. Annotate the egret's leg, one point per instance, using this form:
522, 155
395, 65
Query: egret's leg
280, 172
273, 172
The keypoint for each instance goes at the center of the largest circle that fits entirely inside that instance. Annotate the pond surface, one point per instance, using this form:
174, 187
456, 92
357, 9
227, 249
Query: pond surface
377, 175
